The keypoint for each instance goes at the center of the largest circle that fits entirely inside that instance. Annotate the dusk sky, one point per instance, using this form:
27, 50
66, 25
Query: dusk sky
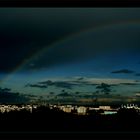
68, 45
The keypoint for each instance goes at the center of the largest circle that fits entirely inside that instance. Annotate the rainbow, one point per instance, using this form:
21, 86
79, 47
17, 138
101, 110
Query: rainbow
99, 27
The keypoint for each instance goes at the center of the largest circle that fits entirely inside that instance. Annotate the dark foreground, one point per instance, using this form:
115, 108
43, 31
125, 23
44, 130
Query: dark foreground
46, 120
44, 123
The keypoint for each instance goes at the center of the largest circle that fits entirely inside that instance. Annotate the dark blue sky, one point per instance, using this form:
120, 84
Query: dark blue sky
96, 51
100, 44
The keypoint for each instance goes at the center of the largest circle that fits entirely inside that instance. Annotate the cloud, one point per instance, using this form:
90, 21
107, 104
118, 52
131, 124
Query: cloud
103, 85
36, 86
129, 84
8, 96
137, 81
64, 84
64, 94
39, 30
81, 78
112, 85
5, 89
94, 84
49, 83
124, 71
110, 81
58, 84
137, 94
83, 81
104, 88
137, 74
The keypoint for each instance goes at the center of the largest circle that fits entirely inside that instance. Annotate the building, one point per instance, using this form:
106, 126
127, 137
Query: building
67, 109
105, 107
93, 108
128, 106
109, 112
81, 110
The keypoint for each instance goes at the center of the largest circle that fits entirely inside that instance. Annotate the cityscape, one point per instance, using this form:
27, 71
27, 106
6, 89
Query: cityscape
79, 110
69, 69
66, 118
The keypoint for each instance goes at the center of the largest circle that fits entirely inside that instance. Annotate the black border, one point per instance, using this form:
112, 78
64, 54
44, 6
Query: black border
69, 136
65, 4
69, 3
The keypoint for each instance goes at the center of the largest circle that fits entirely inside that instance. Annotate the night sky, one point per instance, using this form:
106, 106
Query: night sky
53, 50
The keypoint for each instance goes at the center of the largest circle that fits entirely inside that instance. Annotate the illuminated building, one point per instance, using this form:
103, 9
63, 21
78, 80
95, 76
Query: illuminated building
105, 107
81, 110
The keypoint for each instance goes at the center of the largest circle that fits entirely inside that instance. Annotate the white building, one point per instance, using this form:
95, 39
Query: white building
67, 109
128, 106
93, 108
105, 107
81, 110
